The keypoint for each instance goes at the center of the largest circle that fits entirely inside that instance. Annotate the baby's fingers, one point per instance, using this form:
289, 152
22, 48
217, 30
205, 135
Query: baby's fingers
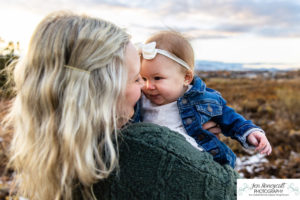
252, 140
261, 146
267, 150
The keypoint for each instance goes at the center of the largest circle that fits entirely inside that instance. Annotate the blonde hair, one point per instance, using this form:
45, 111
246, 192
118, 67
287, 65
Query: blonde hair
175, 43
65, 120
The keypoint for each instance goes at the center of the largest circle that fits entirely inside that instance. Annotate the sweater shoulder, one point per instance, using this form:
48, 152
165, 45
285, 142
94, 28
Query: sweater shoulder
157, 163
161, 141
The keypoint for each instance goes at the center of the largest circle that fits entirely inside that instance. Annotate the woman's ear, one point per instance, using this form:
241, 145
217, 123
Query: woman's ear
189, 76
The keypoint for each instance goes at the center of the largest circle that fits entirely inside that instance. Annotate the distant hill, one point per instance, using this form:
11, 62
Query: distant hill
204, 65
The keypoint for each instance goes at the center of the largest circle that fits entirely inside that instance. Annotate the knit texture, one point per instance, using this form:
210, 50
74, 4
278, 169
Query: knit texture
157, 163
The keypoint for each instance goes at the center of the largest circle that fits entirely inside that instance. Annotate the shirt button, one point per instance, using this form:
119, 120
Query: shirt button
188, 121
209, 108
184, 101
201, 137
214, 152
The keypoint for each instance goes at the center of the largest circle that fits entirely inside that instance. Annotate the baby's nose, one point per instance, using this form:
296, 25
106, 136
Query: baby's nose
149, 85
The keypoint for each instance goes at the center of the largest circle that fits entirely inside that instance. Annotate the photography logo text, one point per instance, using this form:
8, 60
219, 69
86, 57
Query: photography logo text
268, 188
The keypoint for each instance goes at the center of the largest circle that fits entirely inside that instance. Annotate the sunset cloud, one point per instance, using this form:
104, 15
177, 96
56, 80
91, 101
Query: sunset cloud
268, 18
217, 24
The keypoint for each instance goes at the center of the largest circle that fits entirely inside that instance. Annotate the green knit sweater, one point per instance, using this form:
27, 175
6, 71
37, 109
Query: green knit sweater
157, 163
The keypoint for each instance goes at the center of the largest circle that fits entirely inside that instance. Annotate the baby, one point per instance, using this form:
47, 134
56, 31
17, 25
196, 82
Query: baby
174, 97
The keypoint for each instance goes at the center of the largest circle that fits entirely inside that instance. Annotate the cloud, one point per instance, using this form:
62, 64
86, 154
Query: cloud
197, 18
227, 30
269, 18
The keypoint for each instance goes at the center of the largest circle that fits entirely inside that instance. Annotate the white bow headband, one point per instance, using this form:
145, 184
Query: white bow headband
149, 52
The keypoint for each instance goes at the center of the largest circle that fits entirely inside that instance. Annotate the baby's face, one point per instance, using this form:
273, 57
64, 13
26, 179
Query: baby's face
164, 80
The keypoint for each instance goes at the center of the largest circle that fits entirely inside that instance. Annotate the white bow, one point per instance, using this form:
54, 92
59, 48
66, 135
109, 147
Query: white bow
149, 52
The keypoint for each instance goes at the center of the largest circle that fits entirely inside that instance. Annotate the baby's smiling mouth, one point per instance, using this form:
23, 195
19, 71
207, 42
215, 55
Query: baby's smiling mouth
152, 95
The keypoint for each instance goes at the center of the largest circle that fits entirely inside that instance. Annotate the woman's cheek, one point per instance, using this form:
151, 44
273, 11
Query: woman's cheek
132, 96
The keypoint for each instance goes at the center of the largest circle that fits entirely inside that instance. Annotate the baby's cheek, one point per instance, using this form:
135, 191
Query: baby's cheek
144, 90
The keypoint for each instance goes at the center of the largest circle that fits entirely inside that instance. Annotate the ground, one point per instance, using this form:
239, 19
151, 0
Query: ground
272, 102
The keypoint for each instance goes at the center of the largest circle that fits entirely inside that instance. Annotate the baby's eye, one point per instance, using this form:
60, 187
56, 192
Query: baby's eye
157, 78
144, 78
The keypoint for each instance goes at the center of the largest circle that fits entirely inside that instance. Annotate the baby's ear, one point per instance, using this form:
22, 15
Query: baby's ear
189, 76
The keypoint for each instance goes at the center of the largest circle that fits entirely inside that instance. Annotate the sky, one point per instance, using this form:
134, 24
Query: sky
247, 31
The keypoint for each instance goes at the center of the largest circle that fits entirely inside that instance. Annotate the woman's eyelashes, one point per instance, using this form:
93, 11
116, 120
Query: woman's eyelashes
138, 79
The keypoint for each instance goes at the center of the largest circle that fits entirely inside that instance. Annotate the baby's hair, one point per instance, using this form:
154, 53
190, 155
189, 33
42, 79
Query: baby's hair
175, 43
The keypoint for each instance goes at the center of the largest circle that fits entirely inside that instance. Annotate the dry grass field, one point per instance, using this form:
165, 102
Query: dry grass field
273, 104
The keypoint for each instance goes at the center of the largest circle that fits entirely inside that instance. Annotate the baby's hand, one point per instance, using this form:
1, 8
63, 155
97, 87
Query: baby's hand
260, 141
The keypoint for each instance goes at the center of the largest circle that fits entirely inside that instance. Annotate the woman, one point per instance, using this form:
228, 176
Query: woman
76, 88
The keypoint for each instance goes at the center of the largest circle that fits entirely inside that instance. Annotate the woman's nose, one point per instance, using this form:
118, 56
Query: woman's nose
142, 82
